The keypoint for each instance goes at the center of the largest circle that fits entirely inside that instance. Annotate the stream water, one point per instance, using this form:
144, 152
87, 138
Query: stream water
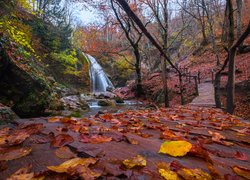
127, 105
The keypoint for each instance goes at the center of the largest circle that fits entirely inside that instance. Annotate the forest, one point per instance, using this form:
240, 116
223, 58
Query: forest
124, 89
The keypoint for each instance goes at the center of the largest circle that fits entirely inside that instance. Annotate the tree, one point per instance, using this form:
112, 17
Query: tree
196, 11
133, 16
231, 83
238, 20
134, 37
160, 11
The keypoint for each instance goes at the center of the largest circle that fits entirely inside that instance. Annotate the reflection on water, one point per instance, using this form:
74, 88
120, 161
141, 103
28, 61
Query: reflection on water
127, 105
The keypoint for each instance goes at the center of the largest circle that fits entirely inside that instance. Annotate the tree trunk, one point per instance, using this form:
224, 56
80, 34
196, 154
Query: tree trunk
231, 61
238, 20
224, 36
163, 62
231, 75
164, 80
231, 24
139, 90
231, 82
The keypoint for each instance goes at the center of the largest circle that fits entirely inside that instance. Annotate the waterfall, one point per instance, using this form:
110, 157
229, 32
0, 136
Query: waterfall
100, 81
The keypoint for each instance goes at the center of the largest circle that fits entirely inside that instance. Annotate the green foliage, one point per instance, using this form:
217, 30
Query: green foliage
124, 66
17, 32
26, 5
52, 37
68, 59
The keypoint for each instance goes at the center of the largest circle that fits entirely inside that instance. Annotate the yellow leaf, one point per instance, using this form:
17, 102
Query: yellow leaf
135, 161
175, 148
71, 164
168, 174
241, 171
165, 172
192, 174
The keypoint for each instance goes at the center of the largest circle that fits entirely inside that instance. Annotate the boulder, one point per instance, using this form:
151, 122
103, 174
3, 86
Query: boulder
74, 103
106, 102
119, 100
105, 95
6, 115
28, 91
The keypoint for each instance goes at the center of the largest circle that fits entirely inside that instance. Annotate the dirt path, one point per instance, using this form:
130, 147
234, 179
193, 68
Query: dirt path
206, 96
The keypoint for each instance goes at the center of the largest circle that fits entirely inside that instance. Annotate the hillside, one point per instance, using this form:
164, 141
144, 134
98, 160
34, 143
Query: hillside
38, 65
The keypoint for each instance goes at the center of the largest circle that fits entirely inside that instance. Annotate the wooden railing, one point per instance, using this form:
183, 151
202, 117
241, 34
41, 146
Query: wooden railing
185, 73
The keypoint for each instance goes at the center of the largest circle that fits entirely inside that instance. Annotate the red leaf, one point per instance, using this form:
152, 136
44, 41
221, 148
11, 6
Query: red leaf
61, 140
240, 156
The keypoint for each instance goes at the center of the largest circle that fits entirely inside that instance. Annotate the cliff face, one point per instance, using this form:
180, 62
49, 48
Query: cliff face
37, 65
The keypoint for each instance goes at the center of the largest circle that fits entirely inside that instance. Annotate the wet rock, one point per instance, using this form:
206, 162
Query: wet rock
74, 103
106, 102
28, 91
6, 115
105, 95
109, 88
119, 100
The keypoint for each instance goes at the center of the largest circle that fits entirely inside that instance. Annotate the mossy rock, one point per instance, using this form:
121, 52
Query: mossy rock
76, 114
6, 115
105, 102
119, 100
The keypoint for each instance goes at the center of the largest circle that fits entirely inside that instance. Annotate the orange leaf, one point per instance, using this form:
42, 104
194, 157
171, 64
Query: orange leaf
61, 140
95, 139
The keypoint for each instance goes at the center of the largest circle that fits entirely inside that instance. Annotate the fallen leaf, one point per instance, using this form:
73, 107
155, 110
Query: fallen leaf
64, 153
22, 133
194, 174
168, 174
84, 172
22, 174
95, 139
7, 154
16, 138
175, 148
242, 171
62, 140
213, 171
107, 116
167, 134
137, 161
71, 164
54, 119
4, 131
131, 140
240, 156
216, 137
165, 172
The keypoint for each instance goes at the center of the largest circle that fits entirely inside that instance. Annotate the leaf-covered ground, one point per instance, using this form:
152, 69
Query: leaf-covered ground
183, 142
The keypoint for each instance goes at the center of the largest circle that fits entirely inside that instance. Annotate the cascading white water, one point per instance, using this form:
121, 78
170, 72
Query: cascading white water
100, 81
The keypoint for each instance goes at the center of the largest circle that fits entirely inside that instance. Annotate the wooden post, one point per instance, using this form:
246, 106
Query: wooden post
196, 86
199, 77
181, 89
212, 76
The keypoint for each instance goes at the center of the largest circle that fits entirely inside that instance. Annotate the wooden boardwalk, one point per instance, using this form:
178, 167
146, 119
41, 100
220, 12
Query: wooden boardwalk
206, 95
